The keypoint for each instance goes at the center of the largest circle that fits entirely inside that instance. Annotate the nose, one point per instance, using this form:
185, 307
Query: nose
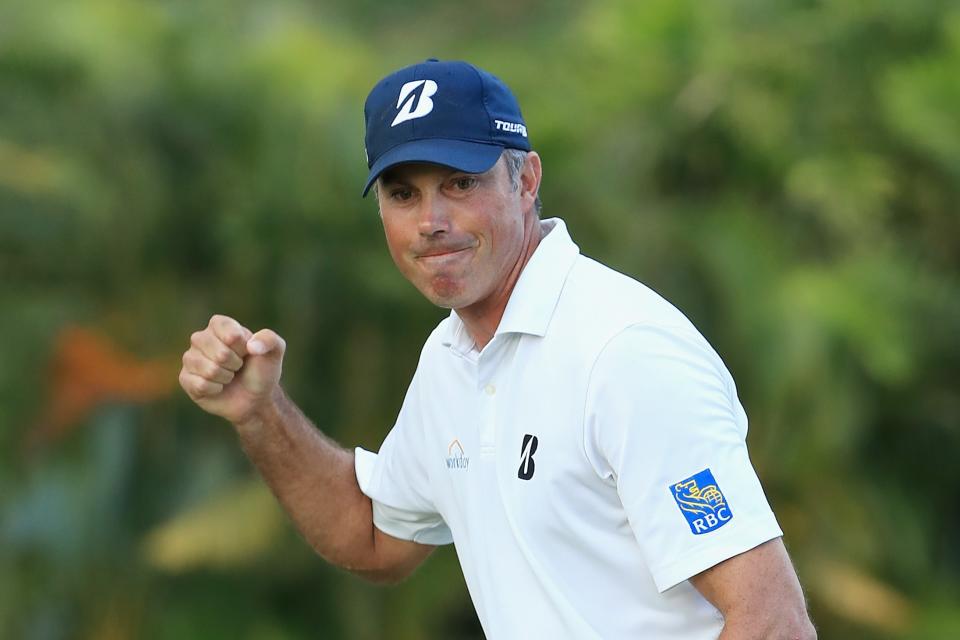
434, 216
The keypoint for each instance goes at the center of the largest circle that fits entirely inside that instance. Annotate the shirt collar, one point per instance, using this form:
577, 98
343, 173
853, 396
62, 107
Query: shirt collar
534, 298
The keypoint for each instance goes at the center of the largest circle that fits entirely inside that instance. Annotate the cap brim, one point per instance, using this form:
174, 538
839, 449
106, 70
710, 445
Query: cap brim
472, 157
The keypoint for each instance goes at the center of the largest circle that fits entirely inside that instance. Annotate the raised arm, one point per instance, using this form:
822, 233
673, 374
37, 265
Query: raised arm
233, 373
758, 594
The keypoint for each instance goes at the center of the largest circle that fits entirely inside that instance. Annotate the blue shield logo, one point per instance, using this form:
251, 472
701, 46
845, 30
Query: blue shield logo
701, 502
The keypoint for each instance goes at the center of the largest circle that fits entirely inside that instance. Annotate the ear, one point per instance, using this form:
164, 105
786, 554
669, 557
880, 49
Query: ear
530, 181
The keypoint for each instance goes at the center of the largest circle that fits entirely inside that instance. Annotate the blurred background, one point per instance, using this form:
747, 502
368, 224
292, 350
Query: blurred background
786, 173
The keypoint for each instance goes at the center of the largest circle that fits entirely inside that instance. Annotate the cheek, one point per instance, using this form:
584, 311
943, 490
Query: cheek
507, 234
396, 241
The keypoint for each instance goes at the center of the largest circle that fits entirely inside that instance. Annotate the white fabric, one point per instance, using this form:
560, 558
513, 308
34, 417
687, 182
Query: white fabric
626, 400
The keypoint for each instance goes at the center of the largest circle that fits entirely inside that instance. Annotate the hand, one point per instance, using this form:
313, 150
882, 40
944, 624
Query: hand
230, 372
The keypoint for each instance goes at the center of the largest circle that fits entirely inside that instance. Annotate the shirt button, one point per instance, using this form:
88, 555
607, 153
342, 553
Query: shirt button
490, 389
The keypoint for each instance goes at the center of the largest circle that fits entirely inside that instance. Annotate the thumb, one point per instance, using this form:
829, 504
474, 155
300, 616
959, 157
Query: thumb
266, 342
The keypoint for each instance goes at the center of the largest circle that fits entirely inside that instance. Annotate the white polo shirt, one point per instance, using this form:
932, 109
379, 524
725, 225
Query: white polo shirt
585, 463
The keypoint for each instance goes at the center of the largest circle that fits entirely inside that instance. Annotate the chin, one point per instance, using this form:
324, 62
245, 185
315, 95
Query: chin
447, 297
447, 302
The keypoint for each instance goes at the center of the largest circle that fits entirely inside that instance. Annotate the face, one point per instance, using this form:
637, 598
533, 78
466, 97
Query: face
458, 237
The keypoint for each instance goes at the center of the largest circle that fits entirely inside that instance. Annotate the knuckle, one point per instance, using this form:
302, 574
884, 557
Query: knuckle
210, 370
226, 325
190, 360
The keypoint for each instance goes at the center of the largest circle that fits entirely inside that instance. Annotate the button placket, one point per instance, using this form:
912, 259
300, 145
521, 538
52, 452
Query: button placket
488, 419
487, 392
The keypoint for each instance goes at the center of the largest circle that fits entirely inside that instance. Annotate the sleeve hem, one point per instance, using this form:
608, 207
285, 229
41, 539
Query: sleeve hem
395, 522
363, 463
690, 565
433, 534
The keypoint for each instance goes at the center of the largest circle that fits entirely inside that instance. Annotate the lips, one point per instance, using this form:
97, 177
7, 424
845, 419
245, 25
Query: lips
437, 252
440, 260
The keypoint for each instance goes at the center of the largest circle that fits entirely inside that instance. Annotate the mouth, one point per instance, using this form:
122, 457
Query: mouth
442, 256
435, 252
432, 253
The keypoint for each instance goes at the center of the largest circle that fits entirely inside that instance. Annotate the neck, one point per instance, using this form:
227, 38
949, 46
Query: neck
482, 318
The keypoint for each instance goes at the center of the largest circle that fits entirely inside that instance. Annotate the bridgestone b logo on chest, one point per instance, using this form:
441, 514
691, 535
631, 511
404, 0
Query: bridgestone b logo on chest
527, 465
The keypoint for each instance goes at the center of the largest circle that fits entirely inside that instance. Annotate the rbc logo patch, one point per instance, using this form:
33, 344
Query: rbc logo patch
701, 502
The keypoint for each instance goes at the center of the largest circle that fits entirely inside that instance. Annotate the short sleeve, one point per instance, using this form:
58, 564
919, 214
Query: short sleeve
399, 485
664, 423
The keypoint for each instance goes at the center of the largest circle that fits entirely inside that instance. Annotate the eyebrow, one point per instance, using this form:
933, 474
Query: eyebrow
390, 177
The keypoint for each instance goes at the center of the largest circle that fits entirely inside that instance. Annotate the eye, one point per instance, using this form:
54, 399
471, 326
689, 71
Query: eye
400, 194
463, 184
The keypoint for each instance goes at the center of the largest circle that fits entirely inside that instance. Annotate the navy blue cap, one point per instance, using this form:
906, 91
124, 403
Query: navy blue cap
449, 113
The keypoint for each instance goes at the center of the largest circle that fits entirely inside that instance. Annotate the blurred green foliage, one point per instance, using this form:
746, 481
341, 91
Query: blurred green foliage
787, 173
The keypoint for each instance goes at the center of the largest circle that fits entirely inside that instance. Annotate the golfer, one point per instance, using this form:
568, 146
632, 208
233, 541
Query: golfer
567, 429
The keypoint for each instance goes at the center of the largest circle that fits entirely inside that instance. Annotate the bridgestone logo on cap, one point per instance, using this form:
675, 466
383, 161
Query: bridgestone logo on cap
416, 104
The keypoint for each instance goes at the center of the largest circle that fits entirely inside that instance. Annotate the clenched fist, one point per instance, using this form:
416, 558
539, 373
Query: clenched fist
230, 371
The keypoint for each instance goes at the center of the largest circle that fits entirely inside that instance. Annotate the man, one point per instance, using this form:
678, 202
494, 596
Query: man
569, 430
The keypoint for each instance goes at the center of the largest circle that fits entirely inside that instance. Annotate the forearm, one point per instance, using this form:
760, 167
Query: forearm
314, 480
758, 594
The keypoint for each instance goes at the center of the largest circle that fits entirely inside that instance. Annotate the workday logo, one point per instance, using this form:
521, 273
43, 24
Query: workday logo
455, 457
414, 101
701, 502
